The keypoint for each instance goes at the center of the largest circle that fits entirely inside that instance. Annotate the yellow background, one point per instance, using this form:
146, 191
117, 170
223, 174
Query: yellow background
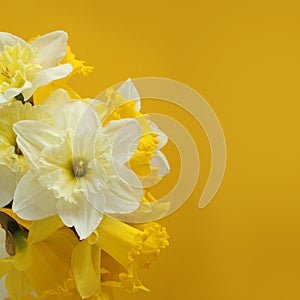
243, 57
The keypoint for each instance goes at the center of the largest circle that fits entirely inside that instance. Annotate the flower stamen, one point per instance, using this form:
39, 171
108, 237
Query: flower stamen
79, 168
6, 73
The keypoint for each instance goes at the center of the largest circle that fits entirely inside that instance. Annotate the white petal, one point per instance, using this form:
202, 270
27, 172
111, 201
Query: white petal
56, 101
46, 76
33, 201
161, 137
33, 137
12, 92
3, 253
56, 157
123, 193
3, 291
80, 214
85, 122
77, 114
128, 91
10, 40
91, 186
126, 134
160, 161
8, 183
84, 143
52, 48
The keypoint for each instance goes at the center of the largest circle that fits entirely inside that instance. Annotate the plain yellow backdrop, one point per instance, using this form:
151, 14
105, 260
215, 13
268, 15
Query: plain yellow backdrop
243, 57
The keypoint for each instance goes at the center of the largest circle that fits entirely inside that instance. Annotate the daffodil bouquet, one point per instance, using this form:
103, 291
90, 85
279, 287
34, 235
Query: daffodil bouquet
69, 168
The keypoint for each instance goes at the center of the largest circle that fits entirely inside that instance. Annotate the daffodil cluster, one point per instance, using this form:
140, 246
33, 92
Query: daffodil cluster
68, 168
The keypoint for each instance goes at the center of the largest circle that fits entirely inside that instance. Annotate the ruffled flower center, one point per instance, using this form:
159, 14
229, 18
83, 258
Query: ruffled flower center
16, 66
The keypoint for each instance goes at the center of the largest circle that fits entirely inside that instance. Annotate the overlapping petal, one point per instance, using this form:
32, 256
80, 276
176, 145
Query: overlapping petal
33, 137
3, 252
31, 200
52, 48
80, 214
8, 184
8, 39
125, 136
129, 92
44, 77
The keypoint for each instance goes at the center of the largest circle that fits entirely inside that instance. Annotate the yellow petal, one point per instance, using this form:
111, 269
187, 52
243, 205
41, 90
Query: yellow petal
17, 284
5, 266
42, 229
86, 268
51, 263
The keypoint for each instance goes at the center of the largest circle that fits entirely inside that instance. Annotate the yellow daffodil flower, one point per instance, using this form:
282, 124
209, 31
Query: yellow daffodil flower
41, 262
126, 252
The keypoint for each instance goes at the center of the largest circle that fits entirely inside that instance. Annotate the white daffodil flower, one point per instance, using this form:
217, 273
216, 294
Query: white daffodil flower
26, 66
129, 92
77, 168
